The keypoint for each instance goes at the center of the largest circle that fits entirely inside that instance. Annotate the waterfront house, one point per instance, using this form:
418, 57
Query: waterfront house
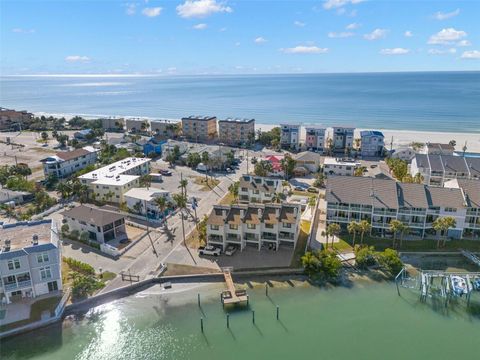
379, 201
343, 138
258, 189
12, 119
164, 129
113, 123
372, 143
236, 131
315, 139
290, 136
437, 149
30, 260
403, 153
101, 226
199, 128
136, 125
254, 225
82, 135
66, 163
8, 196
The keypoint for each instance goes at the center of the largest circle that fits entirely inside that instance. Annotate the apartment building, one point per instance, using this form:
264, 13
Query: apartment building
135, 125
379, 201
113, 123
372, 143
65, 163
199, 128
437, 149
471, 195
290, 136
254, 225
437, 169
258, 189
12, 119
340, 167
111, 182
164, 129
101, 226
236, 131
30, 261
143, 199
343, 138
315, 139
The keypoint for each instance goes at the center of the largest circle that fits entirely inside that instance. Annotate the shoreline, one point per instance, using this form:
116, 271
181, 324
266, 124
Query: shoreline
401, 138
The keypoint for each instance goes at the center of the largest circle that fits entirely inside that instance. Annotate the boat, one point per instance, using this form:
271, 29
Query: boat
459, 285
476, 283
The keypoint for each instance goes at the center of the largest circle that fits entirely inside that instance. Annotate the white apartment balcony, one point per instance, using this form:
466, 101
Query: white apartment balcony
235, 238
251, 237
18, 285
267, 236
215, 238
286, 236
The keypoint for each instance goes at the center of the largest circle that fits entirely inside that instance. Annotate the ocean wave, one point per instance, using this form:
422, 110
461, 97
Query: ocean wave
95, 84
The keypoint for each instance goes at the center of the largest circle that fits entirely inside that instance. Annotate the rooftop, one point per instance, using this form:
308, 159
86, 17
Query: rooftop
145, 194
92, 215
339, 161
237, 120
371, 133
199, 118
113, 170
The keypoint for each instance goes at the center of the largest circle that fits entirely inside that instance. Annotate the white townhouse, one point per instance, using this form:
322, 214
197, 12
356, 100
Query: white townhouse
289, 136
372, 143
30, 261
338, 166
258, 189
254, 225
380, 201
471, 194
437, 169
66, 163
315, 139
343, 138
111, 182
437, 149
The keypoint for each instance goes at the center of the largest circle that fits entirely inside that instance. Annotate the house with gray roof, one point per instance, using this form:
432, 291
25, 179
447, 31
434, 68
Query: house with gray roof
258, 189
437, 169
30, 261
471, 194
379, 201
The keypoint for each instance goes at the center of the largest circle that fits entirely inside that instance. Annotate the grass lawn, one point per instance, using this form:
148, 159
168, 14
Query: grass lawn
228, 199
304, 193
35, 312
301, 244
178, 269
381, 244
207, 183
107, 276
193, 240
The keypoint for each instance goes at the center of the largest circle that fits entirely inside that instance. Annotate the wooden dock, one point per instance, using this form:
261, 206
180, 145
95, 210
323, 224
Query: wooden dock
232, 296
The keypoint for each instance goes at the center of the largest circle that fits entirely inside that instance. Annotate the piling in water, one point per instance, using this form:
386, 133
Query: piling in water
201, 324
253, 316
228, 320
278, 312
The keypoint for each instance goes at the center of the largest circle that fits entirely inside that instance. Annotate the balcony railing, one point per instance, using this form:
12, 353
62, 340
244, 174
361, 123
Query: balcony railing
215, 238
231, 237
18, 285
286, 236
269, 236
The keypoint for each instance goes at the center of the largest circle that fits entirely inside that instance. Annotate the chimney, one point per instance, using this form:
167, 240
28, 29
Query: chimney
35, 239
7, 245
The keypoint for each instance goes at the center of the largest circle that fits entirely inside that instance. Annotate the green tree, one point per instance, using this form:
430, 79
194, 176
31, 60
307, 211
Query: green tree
145, 181
441, 225
312, 202
161, 202
233, 189
396, 226
365, 227
288, 165
323, 265
333, 230
391, 261
137, 207
181, 202
193, 159
44, 136
183, 187
353, 228
263, 168
365, 256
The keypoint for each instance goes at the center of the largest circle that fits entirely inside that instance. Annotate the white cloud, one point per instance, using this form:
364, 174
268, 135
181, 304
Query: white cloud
302, 49
201, 8
299, 23
464, 43
333, 4
77, 58
152, 12
394, 51
472, 54
131, 8
200, 26
23, 31
223, 29
446, 36
352, 26
237, 43
444, 16
442, 51
260, 40
344, 34
408, 33
376, 34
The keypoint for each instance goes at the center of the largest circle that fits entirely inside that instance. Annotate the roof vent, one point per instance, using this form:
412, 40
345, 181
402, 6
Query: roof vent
35, 239
7, 245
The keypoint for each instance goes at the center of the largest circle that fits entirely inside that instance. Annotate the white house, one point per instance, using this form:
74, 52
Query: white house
337, 166
66, 163
143, 199
403, 153
30, 261
372, 143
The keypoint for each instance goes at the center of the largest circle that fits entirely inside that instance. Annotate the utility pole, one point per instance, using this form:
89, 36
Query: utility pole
391, 144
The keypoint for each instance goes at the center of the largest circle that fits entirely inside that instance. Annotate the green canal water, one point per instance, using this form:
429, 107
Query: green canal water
365, 321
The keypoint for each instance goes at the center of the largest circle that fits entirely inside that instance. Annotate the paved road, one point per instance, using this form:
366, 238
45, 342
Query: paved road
169, 243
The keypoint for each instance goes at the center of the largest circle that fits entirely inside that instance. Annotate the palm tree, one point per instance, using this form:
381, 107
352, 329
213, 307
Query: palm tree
138, 207
333, 230
64, 189
364, 228
161, 202
404, 230
395, 227
276, 197
181, 202
441, 225
312, 202
353, 227
145, 181
183, 187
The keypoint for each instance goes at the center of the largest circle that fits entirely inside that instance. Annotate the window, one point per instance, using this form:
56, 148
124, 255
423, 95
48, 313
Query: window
13, 264
269, 226
41, 258
45, 273
451, 210
287, 225
251, 226
214, 227
233, 227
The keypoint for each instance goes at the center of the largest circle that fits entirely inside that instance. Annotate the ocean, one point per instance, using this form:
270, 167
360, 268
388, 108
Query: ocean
425, 101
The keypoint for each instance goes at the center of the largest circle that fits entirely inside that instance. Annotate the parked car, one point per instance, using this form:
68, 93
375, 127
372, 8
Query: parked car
165, 172
312, 190
230, 250
298, 188
202, 167
209, 250
373, 166
228, 170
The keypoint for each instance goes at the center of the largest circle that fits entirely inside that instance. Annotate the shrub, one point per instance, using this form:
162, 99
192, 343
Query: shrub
390, 260
79, 266
365, 256
84, 285
74, 234
322, 264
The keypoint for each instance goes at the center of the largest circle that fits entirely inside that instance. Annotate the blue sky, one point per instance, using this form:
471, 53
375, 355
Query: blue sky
230, 37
